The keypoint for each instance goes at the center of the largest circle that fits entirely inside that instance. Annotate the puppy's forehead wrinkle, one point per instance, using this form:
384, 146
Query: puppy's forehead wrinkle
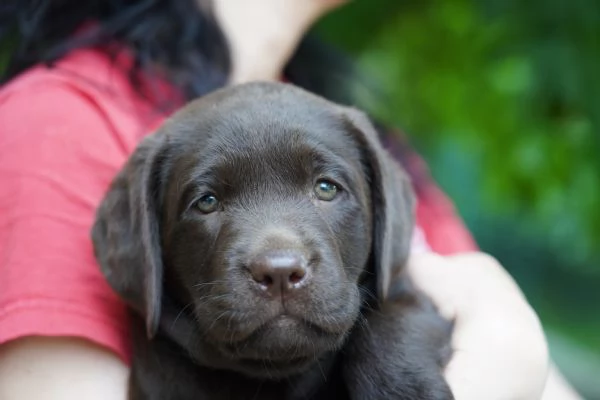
278, 141
263, 161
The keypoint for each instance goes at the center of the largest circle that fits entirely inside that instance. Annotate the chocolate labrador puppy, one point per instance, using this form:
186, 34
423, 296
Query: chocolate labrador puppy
259, 237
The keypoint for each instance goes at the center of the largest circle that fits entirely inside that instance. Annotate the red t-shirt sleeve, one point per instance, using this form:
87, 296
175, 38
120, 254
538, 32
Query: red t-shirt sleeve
444, 230
58, 156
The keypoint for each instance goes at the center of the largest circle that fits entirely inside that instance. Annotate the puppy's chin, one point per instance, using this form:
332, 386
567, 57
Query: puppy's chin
280, 348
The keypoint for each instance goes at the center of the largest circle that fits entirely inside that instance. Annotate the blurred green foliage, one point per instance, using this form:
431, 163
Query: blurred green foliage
502, 97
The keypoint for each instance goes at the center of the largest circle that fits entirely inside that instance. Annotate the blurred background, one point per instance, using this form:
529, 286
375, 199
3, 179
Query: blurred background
502, 99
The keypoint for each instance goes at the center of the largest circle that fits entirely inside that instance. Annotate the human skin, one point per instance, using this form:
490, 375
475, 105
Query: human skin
500, 351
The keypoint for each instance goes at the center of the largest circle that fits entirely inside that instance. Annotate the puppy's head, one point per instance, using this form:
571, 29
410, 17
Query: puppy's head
265, 211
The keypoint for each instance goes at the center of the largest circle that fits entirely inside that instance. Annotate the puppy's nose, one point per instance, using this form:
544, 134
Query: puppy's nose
279, 272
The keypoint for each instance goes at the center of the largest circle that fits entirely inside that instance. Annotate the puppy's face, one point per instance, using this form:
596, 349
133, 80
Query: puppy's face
266, 231
261, 210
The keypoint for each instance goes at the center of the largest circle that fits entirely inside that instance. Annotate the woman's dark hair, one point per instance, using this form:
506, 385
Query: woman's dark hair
169, 33
175, 34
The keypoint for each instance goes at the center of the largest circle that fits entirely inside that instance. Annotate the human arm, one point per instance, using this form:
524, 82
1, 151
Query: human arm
500, 351
45, 368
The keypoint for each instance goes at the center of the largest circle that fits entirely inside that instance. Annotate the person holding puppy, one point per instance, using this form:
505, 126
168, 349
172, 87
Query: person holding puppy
119, 68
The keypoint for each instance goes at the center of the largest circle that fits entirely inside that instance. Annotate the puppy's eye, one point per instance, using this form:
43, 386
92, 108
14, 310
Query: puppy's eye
326, 190
207, 204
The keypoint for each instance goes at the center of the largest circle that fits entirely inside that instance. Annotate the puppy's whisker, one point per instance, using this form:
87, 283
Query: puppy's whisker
259, 387
267, 369
231, 337
321, 370
179, 314
358, 269
367, 295
201, 301
362, 320
213, 283
217, 320
243, 349
229, 320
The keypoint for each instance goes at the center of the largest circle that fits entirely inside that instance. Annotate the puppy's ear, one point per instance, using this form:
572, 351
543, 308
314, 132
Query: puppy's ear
126, 234
392, 201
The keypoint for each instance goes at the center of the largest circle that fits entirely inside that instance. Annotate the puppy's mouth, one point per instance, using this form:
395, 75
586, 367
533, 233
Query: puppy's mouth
291, 363
282, 346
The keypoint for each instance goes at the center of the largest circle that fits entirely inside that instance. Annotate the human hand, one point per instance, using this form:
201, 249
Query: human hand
500, 351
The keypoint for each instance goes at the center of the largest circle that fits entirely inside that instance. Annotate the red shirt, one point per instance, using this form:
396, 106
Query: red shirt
64, 133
